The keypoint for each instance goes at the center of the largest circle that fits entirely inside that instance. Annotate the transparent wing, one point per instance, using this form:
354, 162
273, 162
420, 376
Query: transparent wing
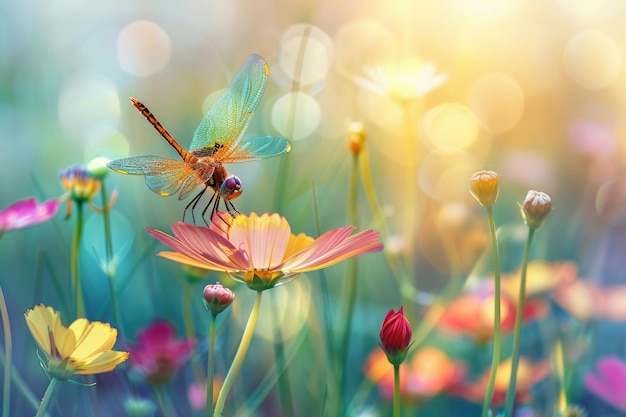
250, 149
228, 118
163, 176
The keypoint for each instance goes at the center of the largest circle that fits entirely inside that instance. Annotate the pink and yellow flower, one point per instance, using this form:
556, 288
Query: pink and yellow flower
27, 212
261, 251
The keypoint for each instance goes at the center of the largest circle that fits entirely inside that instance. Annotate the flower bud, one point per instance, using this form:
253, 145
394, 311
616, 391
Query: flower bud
80, 183
536, 208
356, 137
395, 336
217, 298
485, 186
98, 167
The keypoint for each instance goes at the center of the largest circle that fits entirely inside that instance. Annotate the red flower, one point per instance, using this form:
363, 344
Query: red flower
158, 354
395, 336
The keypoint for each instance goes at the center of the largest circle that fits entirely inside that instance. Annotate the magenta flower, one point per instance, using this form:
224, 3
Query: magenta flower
27, 212
158, 353
608, 381
261, 251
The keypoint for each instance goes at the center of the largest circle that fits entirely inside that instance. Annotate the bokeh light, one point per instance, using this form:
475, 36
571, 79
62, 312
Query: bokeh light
498, 101
85, 100
296, 115
592, 59
450, 127
143, 48
317, 54
443, 175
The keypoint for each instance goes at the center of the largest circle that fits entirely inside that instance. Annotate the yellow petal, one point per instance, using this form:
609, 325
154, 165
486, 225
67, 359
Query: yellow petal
92, 338
104, 362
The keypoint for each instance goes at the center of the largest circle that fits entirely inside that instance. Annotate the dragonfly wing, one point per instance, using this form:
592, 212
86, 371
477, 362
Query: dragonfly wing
228, 118
254, 148
163, 176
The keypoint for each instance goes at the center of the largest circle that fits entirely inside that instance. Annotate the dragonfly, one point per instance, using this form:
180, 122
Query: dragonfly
219, 139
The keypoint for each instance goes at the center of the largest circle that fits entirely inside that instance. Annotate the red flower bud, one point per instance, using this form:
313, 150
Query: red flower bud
217, 298
395, 336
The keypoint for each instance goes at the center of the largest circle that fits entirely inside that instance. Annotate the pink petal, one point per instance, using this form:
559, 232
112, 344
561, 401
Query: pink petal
609, 383
263, 238
26, 213
333, 247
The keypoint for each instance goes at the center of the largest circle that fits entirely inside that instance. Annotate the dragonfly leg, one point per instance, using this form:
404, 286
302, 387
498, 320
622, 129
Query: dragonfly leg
193, 203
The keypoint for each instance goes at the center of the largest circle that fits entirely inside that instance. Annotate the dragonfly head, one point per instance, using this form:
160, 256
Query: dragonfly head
231, 188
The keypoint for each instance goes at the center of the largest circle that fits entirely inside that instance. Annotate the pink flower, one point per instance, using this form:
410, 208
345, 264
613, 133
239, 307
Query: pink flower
261, 251
217, 298
27, 212
158, 354
608, 381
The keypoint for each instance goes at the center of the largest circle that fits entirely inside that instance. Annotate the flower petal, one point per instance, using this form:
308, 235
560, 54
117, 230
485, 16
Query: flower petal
92, 338
104, 362
264, 238
331, 248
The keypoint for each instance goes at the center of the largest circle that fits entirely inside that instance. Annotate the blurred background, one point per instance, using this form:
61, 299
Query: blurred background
440, 89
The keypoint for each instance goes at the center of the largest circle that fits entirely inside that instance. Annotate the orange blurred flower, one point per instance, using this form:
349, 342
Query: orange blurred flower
541, 278
473, 314
587, 300
428, 373
528, 375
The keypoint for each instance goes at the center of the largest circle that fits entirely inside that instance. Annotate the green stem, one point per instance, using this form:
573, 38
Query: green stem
8, 345
396, 390
164, 404
496, 316
210, 368
190, 328
351, 288
46, 398
76, 282
110, 269
246, 338
21, 385
407, 291
517, 333
284, 386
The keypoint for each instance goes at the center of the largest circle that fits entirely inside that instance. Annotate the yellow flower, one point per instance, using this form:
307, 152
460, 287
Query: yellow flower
84, 348
485, 186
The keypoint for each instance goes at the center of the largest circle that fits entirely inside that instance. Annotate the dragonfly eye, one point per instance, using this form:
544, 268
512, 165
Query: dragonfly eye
231, 188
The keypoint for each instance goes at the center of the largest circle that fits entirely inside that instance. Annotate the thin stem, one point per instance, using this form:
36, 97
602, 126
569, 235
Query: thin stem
76, 282
517, 333
210, 368
164, 405
189, 325
284, 386
407, 291
110, 269
21, 384
396, 390
496, 315
46, 398
8, 348
240, 355
351, 288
